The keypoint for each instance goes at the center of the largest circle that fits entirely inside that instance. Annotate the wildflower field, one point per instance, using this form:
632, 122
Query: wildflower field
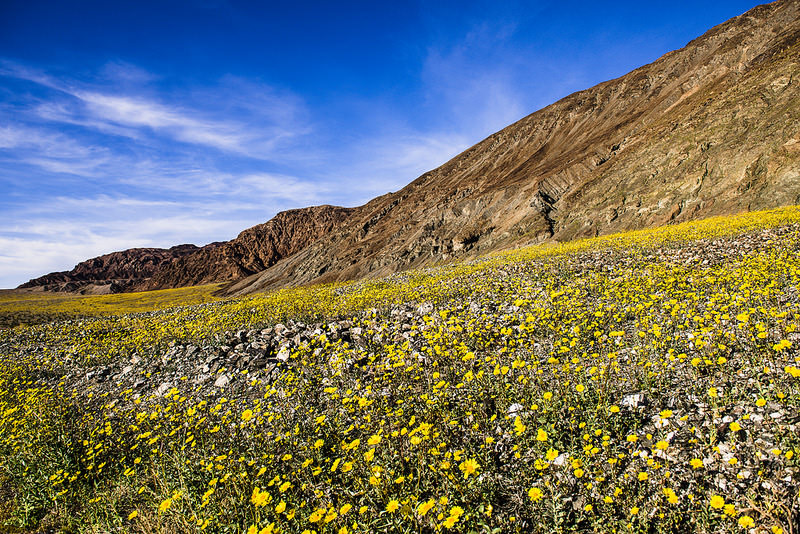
640, 382
31, 307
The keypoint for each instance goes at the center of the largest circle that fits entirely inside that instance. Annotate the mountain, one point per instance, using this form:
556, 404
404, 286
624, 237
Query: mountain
709, 129
111, 273
712, 128
254, 250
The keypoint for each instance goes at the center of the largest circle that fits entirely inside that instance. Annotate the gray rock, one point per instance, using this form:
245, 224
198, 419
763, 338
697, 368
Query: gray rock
515, 409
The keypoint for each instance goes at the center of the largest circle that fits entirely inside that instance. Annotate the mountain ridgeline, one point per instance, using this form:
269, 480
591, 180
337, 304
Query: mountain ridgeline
712, 128
254, 250
111, 273
141, 269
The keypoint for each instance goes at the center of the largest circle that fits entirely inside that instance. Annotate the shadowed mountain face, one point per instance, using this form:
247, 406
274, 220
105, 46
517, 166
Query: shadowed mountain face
709, 129
112, 273
713, 128
252, 251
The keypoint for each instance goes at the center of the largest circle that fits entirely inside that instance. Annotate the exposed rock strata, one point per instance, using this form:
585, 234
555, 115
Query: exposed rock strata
111, 273
713, 128
254, 250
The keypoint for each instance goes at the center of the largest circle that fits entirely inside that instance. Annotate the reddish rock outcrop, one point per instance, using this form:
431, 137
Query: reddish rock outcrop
111, 273
254, 250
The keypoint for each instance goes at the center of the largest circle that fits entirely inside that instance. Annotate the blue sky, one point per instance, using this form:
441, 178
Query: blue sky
137, 123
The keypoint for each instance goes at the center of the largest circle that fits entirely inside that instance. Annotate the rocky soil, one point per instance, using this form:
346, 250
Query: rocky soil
232, 359
663, 406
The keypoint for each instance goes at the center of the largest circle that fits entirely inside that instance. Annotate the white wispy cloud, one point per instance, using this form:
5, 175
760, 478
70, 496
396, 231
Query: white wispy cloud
125, 162
42, 141
69, 112
281, 187
119, 72
471, 81
236, 115
52, 151
15, 69
389, 162
139, 112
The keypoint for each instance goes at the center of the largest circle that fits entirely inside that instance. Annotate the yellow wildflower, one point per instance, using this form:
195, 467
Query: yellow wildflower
468, 467
716, 502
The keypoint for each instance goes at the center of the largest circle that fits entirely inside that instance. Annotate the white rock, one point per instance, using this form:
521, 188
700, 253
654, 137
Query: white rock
515, 409
633, 401
284, 354
222, 381
561, 459
660, 422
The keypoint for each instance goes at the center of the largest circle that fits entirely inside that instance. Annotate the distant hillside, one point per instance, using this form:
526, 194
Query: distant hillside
111, 273
253, 250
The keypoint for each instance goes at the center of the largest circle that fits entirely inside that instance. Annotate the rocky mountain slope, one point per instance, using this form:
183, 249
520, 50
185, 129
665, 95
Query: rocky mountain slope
110, 273
252, 251
709, 129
